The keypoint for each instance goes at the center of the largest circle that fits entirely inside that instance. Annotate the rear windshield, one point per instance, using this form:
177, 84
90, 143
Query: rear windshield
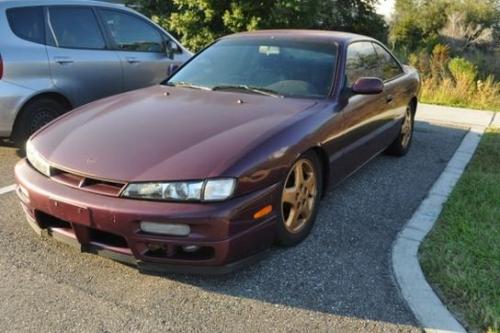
27, 23
289, 67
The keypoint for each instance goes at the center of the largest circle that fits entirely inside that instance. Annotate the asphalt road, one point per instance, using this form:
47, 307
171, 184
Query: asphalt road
338, 280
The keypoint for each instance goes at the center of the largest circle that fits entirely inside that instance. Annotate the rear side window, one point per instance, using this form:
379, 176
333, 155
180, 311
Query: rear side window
76, 28
388, 67
131, 33
362, 61
27, 23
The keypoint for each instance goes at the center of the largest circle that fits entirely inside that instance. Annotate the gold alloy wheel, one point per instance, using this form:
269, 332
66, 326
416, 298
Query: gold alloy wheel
407, 128
299, 196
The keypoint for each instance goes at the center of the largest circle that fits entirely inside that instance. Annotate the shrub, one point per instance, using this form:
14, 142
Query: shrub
463, 71
439, 62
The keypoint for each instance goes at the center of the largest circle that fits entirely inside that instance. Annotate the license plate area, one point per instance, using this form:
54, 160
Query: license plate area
69, 212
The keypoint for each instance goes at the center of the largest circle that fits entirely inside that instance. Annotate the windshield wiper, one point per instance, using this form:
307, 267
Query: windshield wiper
183, 84
257, 90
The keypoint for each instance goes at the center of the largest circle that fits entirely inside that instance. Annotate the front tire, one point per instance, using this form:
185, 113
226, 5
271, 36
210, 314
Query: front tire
33, 116
402, 143
299, 200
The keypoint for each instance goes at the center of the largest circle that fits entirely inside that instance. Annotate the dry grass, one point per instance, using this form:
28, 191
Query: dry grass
483, 95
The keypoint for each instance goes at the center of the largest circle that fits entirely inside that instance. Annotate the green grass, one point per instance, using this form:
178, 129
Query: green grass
461, 256
494, 108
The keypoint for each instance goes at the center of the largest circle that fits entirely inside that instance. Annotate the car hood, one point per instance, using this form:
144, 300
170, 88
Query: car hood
163, 133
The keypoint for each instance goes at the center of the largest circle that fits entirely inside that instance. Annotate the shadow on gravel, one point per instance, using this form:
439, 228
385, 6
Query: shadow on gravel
6, 143
344, 267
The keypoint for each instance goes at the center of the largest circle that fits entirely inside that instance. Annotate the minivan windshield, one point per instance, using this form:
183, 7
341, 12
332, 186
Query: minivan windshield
268, 66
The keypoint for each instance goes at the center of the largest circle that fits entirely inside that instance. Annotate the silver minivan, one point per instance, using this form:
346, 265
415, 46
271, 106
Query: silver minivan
57, 55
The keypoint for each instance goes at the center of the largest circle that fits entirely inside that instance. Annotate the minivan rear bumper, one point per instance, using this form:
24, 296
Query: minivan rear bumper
12, 98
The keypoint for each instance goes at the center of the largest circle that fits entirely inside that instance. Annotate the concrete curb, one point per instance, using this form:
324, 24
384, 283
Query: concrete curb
495, 123
428, 309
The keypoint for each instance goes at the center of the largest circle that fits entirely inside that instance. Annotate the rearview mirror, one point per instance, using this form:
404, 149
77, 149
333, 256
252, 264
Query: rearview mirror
368, 86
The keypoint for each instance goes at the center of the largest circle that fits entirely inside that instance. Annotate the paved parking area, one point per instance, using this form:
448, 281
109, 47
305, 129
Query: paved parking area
338, 280
8, 158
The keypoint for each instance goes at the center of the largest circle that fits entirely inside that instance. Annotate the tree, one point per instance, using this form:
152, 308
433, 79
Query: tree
199, 22
421, 24
472, 22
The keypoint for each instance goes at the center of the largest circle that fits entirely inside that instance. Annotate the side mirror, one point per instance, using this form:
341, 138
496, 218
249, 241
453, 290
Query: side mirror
172, 68
171, 48
368, 86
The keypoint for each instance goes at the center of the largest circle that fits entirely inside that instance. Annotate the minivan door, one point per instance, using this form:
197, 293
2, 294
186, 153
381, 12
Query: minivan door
82, 66
141, 48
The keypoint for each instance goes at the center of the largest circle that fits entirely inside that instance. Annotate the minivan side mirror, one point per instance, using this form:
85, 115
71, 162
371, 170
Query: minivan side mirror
171, 48
368, 86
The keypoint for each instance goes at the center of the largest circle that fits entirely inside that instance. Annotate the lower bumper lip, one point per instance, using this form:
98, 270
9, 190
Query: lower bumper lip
226, 233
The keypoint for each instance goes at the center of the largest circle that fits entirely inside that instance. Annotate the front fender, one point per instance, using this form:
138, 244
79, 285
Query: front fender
269, 161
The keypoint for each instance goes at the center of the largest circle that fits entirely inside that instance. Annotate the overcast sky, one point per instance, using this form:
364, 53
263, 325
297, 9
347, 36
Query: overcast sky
385, 7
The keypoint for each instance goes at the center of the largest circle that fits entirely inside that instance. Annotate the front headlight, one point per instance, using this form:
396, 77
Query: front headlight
37, 160
208, 190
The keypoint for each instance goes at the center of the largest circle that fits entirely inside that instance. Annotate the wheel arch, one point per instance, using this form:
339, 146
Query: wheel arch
414, 104
325, 165
52, 95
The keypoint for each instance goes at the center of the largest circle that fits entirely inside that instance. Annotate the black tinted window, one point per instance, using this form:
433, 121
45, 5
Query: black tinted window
76, 27
362, 61
388, 67
131, 33
28, 23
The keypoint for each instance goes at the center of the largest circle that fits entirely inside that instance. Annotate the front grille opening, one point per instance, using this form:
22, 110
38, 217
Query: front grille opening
161, 251
48, 221
107, 238
88, 184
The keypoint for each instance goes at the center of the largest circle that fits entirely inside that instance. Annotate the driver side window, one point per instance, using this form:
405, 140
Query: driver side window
130, 33
361, 61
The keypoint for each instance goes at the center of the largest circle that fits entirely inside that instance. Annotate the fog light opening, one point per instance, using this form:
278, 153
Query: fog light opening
156, 247
165, 228
190, 248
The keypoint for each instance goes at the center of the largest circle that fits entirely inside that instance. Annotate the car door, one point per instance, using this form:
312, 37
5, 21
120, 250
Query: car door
141, 48
362, 115
390, 71
82, 65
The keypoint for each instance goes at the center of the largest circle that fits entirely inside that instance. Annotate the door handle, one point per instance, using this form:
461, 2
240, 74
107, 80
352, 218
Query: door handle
132, 60
63, 60
388, 98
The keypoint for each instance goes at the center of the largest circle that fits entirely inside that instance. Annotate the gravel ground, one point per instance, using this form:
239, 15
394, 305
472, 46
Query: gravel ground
8, 158
338, 280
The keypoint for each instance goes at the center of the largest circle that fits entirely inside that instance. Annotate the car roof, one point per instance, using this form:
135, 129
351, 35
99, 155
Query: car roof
24, 3
313, 35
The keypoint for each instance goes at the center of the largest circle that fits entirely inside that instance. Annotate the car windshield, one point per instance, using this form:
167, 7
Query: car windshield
268, 66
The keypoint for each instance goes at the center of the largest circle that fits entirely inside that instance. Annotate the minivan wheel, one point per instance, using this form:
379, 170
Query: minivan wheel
33, 116
300, 198
402, 144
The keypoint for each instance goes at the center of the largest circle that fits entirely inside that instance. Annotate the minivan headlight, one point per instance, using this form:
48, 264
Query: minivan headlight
208, 190
37, 160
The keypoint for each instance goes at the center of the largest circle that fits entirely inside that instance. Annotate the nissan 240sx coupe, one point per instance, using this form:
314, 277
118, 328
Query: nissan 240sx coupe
229, 155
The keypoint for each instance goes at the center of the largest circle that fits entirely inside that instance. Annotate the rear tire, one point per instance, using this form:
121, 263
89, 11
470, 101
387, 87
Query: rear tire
402, 143
33, 116
300, 197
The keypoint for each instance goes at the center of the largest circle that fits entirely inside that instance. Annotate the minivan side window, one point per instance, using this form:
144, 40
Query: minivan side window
76, 28
361, 61
27, 23
388, 67
131, 33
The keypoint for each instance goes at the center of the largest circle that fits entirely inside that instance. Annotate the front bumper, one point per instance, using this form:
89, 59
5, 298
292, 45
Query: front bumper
226, 233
